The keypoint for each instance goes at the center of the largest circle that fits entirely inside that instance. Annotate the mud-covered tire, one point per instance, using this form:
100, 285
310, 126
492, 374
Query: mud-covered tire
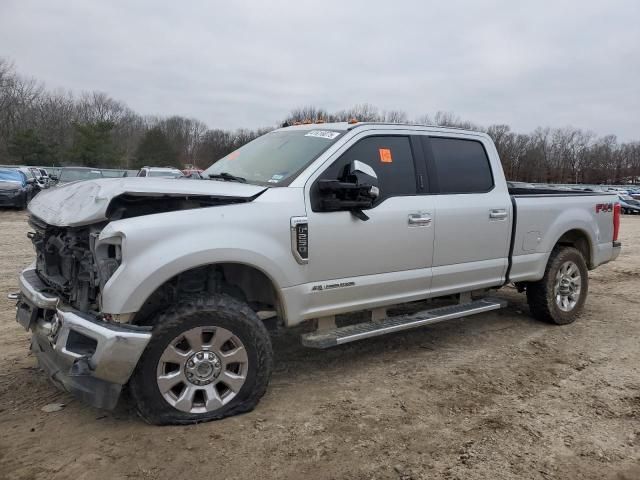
220, 311
542, 297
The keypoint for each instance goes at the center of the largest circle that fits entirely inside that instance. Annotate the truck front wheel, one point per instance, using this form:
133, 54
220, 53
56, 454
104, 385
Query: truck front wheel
207, 359
560, 296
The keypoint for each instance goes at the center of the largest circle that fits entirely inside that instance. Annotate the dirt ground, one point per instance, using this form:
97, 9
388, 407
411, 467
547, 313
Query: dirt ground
495, 396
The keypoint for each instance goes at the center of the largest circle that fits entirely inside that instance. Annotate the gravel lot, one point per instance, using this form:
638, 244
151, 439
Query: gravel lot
490, 397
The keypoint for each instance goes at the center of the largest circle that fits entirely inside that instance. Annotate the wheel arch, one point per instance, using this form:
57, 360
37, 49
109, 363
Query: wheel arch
243, 281
581, 241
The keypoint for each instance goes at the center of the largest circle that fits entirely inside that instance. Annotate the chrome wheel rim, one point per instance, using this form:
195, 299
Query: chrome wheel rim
567, 286
202, 369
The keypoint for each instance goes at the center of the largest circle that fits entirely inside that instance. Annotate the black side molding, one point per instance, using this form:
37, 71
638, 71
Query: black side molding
513, 238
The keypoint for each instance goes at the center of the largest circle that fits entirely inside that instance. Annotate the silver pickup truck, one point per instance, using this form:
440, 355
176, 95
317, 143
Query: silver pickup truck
170, 287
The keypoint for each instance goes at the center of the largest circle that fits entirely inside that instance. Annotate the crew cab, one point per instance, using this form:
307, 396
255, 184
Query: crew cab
170, 287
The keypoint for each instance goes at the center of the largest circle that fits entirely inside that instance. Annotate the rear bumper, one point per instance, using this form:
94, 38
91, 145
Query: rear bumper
90, 358
617, 247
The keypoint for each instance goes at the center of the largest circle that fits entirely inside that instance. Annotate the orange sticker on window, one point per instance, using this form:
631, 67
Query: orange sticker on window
233, 155
385, 155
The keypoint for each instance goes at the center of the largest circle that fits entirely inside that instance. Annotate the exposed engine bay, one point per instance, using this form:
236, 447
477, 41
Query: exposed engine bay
65, 262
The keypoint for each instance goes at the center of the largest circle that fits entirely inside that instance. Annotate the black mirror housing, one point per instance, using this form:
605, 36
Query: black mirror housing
356, 190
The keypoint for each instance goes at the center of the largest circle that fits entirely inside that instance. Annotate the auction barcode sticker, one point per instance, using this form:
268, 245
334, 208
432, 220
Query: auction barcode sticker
329, 135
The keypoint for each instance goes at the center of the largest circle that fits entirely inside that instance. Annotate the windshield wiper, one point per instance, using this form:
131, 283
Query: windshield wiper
228, 177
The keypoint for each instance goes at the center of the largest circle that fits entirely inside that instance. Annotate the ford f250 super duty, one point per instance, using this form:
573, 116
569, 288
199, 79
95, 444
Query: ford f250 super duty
170, 287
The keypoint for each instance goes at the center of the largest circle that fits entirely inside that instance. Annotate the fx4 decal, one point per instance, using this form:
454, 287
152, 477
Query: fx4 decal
604, 207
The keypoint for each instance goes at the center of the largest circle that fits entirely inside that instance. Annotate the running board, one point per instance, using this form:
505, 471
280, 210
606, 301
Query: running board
359, 331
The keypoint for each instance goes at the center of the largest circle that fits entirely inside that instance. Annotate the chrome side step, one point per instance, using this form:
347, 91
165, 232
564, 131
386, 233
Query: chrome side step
359, 331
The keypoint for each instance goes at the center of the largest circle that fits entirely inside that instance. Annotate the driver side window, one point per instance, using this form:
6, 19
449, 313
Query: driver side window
391, 159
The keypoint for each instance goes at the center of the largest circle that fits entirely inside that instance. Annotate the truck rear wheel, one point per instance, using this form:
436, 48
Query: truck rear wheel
560, 296
207, 359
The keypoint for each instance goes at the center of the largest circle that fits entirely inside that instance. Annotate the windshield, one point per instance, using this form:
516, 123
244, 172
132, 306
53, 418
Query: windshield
275, 158
165, 173
74, 174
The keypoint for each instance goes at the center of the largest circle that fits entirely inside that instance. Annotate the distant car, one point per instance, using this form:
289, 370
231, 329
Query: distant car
41, 180
113, 173
167, 172
15, 189
192, 175
45, 174
78, 174
187, 172
635, 193
628, 204
36, 186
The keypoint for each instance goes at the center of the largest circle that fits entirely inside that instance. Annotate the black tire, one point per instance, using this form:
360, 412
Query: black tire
215, 311
541, 296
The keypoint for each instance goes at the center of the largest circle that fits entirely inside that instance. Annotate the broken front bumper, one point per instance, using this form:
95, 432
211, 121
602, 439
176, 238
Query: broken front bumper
90, 358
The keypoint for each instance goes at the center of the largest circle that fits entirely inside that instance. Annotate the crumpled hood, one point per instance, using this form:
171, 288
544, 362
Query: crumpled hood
86, 202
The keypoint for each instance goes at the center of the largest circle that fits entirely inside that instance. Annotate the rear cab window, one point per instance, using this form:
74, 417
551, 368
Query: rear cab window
461, 165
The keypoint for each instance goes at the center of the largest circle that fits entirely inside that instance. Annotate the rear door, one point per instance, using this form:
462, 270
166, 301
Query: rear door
387, 256
472, 211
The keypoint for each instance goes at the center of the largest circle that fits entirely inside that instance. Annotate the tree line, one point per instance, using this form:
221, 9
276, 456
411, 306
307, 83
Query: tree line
45, 127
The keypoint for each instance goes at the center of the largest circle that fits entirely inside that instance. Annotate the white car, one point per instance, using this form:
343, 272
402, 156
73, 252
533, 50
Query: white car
163, 172
169, 286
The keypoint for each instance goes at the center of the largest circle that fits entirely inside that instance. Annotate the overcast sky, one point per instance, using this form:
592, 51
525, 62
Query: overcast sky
247, 64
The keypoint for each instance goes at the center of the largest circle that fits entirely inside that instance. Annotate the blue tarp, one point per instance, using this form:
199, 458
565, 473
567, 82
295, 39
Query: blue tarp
7, 175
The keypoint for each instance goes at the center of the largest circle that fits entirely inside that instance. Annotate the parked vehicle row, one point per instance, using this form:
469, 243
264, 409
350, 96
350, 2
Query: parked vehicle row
629, 204
16, 189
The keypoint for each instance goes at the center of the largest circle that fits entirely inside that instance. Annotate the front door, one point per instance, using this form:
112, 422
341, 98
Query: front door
385, 257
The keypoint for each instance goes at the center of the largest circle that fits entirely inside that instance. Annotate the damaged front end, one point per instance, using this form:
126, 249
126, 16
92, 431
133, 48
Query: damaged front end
81, 353
82, 349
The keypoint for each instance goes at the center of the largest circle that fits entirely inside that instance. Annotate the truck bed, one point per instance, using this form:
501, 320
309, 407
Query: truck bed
541, 216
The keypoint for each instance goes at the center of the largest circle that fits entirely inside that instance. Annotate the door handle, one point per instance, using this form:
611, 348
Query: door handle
498, 214
419, 219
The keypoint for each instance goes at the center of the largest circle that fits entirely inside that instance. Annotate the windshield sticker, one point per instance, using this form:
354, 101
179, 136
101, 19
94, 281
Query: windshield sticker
385, 155
329, 135
233, 155
275, 178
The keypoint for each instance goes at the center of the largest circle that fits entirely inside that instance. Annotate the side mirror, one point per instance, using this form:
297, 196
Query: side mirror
31, 181
357, 190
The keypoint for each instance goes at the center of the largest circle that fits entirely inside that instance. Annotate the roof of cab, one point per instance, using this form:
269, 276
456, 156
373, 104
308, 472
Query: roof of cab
346, 126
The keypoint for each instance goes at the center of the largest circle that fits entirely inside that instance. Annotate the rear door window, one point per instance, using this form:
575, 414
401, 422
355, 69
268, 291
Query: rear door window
462, 166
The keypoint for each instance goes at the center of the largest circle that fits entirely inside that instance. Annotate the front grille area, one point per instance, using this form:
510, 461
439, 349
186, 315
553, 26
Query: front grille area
64, 262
